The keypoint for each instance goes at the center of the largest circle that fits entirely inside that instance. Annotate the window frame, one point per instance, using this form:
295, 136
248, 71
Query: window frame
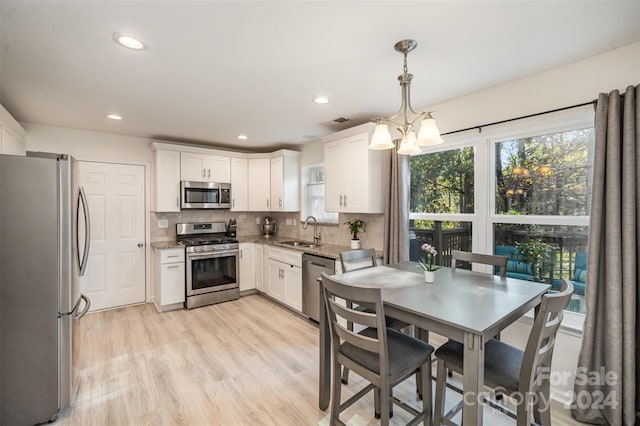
484, 142
304, 195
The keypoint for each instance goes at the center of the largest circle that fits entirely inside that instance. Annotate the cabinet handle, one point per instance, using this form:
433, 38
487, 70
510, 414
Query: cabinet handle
267, 203
177, 201
340, 200
173, 255
345, 201
173, 266
208, 173
280, 202
241, 253
233, 202
204, 172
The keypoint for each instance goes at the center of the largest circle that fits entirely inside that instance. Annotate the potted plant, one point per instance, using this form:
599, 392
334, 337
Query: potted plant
355, 226
537, 254
427, 254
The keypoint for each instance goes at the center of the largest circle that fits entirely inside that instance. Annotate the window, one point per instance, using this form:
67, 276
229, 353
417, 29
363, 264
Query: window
313, 195
509, 188
543, 175
441, 183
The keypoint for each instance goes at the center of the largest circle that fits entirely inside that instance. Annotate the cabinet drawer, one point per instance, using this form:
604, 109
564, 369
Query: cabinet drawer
290, 257
172, 255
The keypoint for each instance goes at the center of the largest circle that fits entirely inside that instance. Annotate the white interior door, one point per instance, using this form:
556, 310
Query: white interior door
115, 274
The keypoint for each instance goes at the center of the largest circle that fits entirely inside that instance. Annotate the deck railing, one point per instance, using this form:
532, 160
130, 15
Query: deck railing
564, 246
444, 240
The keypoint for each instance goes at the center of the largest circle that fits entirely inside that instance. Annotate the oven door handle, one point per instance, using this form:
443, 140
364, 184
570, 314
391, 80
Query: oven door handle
213, 254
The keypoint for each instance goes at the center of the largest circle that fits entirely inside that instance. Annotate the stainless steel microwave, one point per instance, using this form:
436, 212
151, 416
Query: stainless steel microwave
205, 195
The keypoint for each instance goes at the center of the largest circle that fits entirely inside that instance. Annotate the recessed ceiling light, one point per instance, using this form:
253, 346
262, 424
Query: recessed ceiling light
243, 137
320, 100
129, 41
114, 117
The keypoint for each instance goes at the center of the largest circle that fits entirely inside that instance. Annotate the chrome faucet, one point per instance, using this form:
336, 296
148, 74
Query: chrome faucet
316, 236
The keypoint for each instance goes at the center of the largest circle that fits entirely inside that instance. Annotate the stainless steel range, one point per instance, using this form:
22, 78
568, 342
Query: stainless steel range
211, 263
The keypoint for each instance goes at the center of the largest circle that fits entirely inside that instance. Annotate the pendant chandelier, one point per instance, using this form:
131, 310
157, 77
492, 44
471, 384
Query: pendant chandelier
411, 144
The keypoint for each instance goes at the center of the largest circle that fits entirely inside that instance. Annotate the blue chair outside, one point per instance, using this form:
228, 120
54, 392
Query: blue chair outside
515, 268
580, 273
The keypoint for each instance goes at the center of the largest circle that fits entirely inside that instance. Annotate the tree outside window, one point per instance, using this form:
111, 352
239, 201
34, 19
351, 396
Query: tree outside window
544, 175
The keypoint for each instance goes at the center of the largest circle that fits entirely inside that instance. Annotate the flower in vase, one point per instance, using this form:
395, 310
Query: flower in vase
427, 254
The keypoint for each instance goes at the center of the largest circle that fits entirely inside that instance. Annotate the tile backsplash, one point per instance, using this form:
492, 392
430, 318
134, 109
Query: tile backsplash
288, 225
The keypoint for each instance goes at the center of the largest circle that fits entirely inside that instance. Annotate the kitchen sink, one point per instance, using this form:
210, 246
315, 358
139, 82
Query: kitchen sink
303, 244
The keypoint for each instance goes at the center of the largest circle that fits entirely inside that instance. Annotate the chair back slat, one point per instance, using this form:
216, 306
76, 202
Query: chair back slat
354, 260
485, 259
364, 342
364, 318
539, 350
367, 296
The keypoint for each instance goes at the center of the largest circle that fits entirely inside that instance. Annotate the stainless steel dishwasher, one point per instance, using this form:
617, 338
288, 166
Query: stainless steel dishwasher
312, 266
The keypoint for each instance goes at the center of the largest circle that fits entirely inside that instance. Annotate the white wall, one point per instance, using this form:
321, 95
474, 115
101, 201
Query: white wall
311, 153
570, 84
87, 145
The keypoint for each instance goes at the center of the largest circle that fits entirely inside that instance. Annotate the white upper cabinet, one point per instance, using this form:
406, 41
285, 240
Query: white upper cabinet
167, 181
12, 140
355, 176
285, 181
259, 179
239, 184
259, 182
198, 167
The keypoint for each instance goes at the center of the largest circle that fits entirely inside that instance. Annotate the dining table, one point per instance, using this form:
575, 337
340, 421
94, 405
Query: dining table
466, 306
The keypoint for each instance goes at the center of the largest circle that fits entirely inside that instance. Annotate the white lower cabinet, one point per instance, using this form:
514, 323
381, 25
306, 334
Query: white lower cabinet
275, 279
169, 278
247, 266
259, 266
293, 287
284, 276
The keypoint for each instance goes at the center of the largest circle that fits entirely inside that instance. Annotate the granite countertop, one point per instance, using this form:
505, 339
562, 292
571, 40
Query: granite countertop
163, 245
331, 251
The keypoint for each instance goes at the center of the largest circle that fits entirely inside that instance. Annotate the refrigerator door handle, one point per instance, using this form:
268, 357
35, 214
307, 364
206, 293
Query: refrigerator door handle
87, 304
82, 264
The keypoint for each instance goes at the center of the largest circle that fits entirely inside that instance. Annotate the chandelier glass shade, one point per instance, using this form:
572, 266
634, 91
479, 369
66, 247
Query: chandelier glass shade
406, 118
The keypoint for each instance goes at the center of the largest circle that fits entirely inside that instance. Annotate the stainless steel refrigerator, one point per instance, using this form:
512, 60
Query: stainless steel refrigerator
40, 260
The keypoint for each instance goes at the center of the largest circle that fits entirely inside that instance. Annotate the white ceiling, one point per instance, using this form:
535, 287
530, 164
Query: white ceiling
216, 69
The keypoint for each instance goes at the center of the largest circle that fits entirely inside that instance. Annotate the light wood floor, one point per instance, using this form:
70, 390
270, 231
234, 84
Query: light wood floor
246, 362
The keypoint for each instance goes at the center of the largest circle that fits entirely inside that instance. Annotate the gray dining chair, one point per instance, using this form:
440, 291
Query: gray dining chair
486, 259
354, 260
521, 374
383, 356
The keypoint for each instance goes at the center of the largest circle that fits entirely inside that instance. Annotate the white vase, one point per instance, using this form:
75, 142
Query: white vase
355, 244
429, 276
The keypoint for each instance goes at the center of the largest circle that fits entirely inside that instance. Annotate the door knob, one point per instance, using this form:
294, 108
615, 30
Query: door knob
140, 244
